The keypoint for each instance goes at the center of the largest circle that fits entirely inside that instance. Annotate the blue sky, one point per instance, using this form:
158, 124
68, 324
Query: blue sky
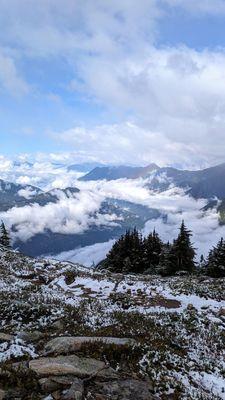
135, 82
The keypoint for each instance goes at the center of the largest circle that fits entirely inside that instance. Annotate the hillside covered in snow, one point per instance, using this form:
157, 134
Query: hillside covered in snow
68, 332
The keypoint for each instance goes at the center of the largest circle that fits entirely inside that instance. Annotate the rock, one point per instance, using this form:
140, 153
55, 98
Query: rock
56, 395
30, 337
190, 307
128, 389
2, 394
221, 312
76, 391
58, 325
53, 383
65, 345
71, 365
5, 337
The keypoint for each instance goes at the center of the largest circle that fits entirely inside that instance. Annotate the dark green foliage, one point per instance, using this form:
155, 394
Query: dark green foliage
4, 236
183, 251
167, 260
152, 246
126, 254
215, 265
132, 254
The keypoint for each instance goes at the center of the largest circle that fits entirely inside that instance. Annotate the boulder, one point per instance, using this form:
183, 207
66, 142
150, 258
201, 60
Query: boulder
76, 391
71, 365
126, 389
5, 337
30, 337
65, 345
54, 383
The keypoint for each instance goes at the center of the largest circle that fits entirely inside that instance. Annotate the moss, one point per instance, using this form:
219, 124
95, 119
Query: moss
23, 381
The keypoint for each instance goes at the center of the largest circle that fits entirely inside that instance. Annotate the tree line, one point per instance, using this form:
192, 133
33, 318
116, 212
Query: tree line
132, 253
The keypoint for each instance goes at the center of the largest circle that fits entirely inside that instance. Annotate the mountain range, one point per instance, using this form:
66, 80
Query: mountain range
208, 184
204, 183
118, 172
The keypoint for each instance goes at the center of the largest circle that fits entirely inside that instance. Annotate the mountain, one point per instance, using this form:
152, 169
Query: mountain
207, 183
12, 194
16, 195
84, 167
118, 172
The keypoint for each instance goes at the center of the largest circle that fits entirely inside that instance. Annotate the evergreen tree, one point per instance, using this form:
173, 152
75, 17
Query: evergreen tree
4, 236
152, 246
126, 254
183, 251
215, 265
136, 252
167, 260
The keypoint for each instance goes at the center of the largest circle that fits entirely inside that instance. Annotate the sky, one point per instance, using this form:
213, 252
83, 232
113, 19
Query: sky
113, 81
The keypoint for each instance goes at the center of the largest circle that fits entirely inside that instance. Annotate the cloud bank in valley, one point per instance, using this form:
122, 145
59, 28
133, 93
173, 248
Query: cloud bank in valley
67, 216
76, 214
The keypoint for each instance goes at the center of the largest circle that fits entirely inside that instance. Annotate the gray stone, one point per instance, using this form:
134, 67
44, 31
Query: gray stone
65, 345
53, 383
71, 365
58, 325
76, 391
30, 337
128, 389
5, 337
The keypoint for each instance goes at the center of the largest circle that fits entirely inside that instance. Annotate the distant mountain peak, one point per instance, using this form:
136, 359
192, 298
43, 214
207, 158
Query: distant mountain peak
119, 172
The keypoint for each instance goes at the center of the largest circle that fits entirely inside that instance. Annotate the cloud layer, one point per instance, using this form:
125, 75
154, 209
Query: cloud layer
161, 103
75, 215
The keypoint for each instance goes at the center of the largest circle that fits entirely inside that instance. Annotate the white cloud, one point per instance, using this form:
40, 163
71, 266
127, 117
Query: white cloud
177, 97
87, 255
205, 227
75, 215
67, 216
27, 192
10, 80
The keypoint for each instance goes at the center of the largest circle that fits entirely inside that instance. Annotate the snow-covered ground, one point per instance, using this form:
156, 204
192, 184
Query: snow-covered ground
178, 322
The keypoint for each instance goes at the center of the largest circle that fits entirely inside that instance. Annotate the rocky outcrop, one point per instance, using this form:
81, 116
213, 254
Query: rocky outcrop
125, 389
66, 345
71, 365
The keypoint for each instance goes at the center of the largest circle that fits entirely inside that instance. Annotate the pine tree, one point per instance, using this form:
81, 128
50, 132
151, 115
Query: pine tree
183, 251
4, 236
167, 260
126, 254
152, 246
136, 252
215, 265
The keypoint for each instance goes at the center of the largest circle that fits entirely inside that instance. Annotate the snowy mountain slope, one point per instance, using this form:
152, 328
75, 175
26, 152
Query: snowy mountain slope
178, 324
